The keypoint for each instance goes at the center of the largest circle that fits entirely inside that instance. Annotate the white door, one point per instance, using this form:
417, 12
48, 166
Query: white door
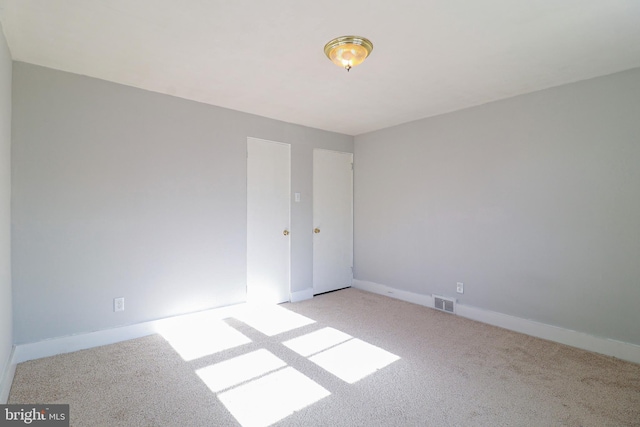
268, 204
333, 220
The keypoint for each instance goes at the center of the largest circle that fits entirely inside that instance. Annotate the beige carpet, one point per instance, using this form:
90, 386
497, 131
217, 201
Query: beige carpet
361, 360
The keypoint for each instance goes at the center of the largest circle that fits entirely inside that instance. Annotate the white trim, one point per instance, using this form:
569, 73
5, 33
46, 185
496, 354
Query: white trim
302, 295
376, 288
7, 377
68, 344
621, 350
23, 352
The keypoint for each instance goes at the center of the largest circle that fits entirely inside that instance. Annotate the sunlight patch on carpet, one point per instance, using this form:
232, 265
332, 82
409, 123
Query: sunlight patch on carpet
353, 360
272, 319
194, 337
317, 341
271, 398
243, 368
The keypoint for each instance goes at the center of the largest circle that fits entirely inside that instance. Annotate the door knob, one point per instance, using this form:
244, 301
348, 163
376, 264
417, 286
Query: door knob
316, 230
285, 232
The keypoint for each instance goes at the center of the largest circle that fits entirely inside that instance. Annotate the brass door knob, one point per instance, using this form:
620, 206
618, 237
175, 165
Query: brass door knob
285, 232
316, 230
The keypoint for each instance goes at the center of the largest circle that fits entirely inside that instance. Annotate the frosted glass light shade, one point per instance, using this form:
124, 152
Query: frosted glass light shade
348, 51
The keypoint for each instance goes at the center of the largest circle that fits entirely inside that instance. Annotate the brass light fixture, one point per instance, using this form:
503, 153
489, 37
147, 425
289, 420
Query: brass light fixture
348, 51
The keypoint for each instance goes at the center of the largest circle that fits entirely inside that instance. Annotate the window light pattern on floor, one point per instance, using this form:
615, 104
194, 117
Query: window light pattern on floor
272, 320
257, 387
196, 336
271, 398
317, 341
348, 358
243, 368
353, 360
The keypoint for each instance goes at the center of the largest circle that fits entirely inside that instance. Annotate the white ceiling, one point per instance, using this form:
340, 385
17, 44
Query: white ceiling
266, 57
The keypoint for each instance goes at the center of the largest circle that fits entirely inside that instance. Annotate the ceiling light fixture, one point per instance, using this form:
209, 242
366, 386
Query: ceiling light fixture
348, 51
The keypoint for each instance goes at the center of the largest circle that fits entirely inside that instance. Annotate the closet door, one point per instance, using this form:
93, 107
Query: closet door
333, 220
268, 219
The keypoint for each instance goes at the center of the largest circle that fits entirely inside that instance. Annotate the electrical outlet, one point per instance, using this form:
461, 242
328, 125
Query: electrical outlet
460, 288
118, 304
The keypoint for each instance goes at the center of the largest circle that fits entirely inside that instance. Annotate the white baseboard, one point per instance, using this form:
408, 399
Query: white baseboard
302, 295
619, 349
51, 347
376, 288
68, 344
7, 378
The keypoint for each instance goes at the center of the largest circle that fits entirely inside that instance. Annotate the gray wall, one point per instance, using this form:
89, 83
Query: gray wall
533, 202
6, 328
122, 192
